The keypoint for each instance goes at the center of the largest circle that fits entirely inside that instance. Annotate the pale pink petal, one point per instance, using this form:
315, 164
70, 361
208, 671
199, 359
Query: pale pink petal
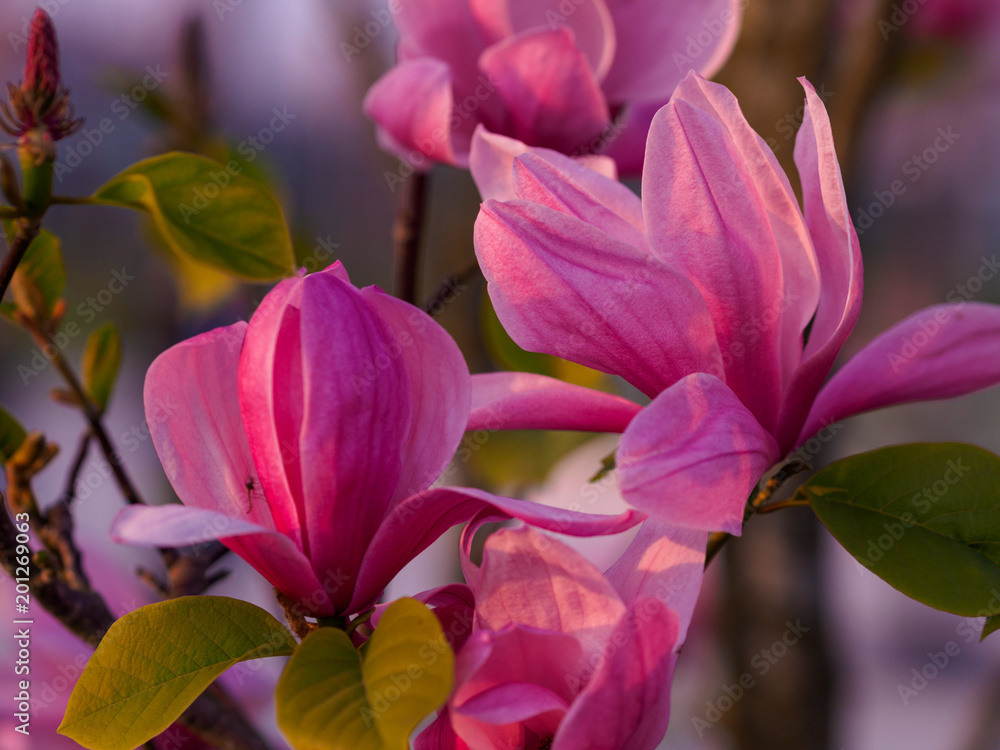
839, 255
939, 352
538, 181
625, 140
664, 562
441, 390
562, 287
530, 579
193, 416
552, 97
271, 554
525, 401
445, 30
412, 103
626, 703
705, 217
412, 525
590, 22
491, 161
800, 270
693, 455
657, 47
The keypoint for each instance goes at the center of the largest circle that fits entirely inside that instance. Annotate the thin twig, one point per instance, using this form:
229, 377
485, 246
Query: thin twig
25, 235
91, 412
449, 289
69, 494
406, 236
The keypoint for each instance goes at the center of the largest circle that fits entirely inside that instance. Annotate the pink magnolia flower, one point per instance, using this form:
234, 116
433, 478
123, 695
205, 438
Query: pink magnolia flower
552, 73
715, 295
561, 656
308, 441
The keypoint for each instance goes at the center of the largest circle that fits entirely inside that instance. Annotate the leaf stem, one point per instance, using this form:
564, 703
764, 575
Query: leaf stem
406, 235
25, 235
66, 200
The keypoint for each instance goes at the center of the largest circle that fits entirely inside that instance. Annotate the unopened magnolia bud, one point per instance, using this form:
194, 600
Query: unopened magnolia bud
38, 111
41, 71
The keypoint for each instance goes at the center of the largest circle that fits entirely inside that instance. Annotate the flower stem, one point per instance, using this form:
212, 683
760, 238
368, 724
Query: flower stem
406, 236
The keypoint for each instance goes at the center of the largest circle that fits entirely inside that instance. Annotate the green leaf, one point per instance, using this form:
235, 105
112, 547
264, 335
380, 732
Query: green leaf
991, 625
924, 518
12, 434
209, 212
43, 265
155, 661
102, 356
331, 697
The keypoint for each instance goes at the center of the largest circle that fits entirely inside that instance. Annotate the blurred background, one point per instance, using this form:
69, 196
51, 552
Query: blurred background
913, 88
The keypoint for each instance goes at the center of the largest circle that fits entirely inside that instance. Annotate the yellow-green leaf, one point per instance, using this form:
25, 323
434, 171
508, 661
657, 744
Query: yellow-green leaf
155, 661
333, 697
42, 267
102, 356
208, 211
12, 434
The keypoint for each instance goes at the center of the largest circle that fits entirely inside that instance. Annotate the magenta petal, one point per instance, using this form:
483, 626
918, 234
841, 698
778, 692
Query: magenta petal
439, 735
800, 270
627, 701
664, 562
693, 455
356, 418
839, 254
562, 287
532, 580
661, 45
412, 104
939, 352
552, 96
705, 217
413, 524
511, 702
194, 419
271, 554
525, 401
441, 391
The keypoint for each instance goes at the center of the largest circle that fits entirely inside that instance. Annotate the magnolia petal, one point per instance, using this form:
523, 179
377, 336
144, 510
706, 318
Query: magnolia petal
492, 164
705, 217
439, 735
562, 287
693, 455
547, 663
415, 523
540, 182
441, 391
525, 401
552, 97
590, 21
666, 563
412, 104
193, 416
939, 352
839, 255
800, 271
662, 46
357, 415
626, 702
271, 554
530, 579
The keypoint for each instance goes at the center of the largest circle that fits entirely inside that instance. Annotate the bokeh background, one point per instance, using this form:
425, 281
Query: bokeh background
895, 75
